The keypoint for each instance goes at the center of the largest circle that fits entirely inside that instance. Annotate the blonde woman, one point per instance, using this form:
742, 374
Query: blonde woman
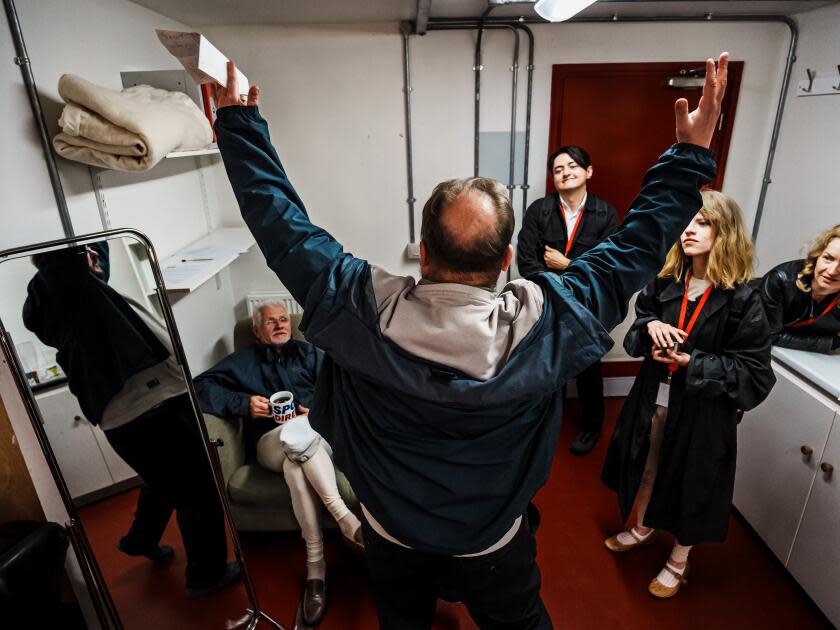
703, 333
802, 297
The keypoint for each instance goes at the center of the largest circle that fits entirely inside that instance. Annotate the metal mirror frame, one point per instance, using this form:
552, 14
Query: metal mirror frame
98, 589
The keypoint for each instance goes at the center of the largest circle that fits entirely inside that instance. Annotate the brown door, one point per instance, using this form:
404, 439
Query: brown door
623, 115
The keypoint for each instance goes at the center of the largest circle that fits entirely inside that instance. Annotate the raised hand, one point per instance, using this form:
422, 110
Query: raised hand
229, 96
698, 127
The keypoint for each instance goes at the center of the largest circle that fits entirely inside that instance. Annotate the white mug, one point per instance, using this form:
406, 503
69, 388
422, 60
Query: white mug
282, 406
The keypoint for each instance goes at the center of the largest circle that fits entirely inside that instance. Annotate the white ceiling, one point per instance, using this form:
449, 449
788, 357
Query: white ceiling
198, 13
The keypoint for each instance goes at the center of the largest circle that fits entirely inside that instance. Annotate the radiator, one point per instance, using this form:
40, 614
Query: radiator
254, 300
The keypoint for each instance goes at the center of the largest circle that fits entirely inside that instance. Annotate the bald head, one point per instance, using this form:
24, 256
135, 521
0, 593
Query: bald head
466, 231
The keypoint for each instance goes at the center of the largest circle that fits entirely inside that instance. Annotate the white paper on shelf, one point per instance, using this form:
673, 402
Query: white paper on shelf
209, 252
201, 59
189, 275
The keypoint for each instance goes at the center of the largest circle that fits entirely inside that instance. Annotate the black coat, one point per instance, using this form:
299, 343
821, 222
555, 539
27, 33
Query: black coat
786, 304
544, 225
729, 371
101, 341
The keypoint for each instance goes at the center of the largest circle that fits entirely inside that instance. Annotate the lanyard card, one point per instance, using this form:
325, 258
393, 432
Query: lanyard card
663, 394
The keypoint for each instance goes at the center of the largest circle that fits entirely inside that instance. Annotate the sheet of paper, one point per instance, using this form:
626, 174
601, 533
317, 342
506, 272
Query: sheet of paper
201, 59
186, 275
209, 252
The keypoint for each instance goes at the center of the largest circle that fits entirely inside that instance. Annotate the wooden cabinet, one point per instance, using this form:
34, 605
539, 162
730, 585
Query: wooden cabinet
786, 486
88, 463
815, 558
773, 476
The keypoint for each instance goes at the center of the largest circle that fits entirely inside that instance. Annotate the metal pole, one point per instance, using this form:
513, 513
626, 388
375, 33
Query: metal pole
209, 446
405, 29
22, 60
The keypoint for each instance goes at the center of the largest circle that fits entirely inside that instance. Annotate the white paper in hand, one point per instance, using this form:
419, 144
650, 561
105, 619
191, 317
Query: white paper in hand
201, 59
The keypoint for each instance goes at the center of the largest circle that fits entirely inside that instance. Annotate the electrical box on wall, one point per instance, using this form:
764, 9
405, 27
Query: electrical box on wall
412, 251
171, 80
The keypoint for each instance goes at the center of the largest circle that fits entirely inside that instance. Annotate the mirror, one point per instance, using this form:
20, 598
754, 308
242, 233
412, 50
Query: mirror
88, 325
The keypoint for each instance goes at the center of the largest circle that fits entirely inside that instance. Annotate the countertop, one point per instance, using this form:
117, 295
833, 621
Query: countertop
823, 370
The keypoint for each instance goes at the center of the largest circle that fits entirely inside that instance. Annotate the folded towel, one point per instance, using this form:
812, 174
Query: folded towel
131, 130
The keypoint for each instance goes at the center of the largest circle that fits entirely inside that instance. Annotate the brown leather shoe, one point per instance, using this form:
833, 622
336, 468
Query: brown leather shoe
314, 602
615, 545
660, 591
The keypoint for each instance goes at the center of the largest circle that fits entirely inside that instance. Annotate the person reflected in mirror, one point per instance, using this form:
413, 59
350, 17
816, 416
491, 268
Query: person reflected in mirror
120, 365
442, 398
555, 230
240, 386
802, 297
701, 328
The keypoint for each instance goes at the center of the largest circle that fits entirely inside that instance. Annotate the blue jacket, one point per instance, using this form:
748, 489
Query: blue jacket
445, 462
225, 389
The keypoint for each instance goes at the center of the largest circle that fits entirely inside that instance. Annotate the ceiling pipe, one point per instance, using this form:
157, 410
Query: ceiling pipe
708, 17
422, 20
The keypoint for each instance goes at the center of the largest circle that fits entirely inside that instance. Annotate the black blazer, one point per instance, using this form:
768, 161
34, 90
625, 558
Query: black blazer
544, 225
786, 304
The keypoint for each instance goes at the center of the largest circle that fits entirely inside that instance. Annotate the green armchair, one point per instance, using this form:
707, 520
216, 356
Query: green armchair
259, 498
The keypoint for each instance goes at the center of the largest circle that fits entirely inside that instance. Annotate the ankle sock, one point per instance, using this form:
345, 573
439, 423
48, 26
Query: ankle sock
666, 578
350, 526
626, 538
316, 570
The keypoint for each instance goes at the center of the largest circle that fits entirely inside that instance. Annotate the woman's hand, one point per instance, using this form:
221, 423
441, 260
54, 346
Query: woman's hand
554, 259
664, 335
302, 411
667, 355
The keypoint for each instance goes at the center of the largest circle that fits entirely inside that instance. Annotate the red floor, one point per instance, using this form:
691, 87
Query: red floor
732, 585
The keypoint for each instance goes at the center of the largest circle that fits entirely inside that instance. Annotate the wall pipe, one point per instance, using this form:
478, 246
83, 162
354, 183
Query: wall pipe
615, 19
22, 60
405, 29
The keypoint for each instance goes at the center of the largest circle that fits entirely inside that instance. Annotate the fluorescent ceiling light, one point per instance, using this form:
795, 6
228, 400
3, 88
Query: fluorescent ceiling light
560, 10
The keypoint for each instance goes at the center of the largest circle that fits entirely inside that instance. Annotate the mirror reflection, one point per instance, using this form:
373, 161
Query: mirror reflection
87, 324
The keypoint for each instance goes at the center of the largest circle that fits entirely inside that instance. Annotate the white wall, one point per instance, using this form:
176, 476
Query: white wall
333, 98
803, 199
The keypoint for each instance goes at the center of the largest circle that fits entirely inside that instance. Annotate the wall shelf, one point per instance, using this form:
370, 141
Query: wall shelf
211, 149
193, 265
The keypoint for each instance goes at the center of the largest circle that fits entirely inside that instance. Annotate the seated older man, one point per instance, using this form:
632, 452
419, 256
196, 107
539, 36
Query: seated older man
240, 386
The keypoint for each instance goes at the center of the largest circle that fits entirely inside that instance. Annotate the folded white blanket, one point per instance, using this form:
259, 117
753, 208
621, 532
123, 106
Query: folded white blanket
131, 130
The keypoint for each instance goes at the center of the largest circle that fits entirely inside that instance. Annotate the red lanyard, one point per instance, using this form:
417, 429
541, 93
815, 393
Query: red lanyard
571, 238
673, 366
808, 322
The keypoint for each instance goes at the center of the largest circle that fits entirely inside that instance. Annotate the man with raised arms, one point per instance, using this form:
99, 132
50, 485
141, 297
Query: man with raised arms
442, 398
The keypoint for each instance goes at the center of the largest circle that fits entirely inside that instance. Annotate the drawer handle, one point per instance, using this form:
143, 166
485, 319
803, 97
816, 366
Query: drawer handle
77, 419
807, 451
827, 468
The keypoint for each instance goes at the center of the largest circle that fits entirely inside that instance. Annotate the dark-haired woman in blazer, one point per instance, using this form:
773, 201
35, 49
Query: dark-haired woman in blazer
555, 230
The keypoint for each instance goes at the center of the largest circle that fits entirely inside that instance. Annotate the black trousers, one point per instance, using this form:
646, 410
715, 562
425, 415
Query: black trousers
590, 387
164, 447
501, 590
